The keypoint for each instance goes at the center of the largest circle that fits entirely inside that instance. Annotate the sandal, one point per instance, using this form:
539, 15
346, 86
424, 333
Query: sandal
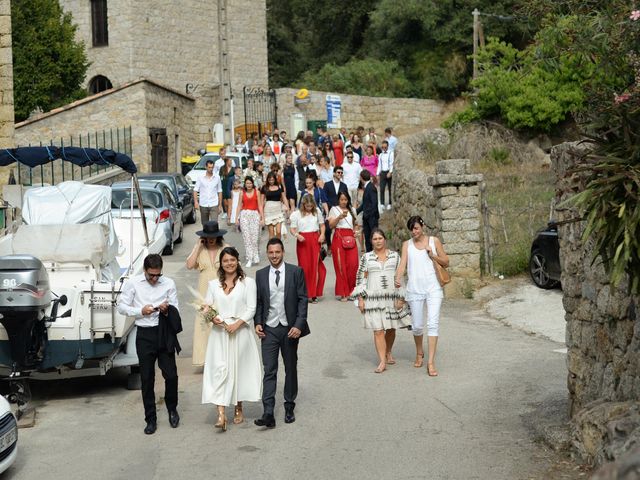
222, 422
238, 417
419, 360
390, 359
431, 370
380, 369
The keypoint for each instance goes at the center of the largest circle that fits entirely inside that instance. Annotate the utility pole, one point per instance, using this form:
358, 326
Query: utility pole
476, 35
225, 75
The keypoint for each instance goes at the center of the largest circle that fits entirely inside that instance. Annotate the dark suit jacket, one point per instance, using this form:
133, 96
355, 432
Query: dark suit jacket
332, 195
295, 297
369, 206
169, 326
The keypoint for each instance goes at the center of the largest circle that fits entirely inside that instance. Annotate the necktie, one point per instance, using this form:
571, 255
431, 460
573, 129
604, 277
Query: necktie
277, 277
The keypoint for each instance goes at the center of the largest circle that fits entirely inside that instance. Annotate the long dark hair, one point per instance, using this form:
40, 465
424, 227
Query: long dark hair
221, 273
265, 187
349, 207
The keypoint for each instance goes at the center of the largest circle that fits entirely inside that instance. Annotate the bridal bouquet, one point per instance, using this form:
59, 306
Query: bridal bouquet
208, 313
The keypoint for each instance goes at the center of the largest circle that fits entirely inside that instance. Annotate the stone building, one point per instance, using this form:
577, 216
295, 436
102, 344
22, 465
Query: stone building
6, 76
166, 70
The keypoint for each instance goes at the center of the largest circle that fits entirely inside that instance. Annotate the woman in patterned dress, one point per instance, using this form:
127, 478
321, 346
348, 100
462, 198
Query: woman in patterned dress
251, 218
379, 300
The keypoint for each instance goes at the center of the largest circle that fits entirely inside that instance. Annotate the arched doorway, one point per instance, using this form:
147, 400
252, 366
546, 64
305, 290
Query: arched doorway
98, 84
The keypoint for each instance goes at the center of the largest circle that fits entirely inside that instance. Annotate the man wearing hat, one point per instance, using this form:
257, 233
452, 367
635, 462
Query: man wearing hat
205, 257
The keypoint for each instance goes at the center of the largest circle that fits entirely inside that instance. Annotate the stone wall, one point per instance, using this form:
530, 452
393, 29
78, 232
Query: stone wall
141, 105
447, 199
177, 44
405, 115
603, 333
6, 83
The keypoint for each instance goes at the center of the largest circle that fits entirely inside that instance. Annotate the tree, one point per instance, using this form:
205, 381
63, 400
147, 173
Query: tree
49, 65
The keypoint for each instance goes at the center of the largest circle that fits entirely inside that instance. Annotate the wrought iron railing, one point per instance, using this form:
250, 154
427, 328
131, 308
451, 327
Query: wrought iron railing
117, 139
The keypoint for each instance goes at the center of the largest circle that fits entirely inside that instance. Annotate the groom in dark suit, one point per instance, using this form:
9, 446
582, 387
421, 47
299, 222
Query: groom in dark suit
369, 208
281, 319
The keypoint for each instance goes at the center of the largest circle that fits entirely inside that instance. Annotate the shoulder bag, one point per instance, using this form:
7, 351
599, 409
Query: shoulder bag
442, 274
348, 241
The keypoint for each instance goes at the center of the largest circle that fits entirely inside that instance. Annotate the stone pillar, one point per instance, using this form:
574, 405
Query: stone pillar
457, 194
6, 77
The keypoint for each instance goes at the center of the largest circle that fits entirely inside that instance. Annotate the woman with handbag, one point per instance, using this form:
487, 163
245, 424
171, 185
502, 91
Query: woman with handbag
342, 219
307, 227
422, 255
381, 302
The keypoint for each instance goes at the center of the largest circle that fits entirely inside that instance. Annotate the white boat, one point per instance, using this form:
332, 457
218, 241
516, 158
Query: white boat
61, 273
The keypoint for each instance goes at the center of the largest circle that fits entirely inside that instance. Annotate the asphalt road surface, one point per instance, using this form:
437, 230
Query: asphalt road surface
468, 423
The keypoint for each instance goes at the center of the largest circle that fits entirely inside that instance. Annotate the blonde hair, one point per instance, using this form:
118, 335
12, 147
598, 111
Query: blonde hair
307, 199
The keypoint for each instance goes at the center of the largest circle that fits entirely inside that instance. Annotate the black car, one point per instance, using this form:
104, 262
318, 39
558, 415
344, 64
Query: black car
544, 262
180, 188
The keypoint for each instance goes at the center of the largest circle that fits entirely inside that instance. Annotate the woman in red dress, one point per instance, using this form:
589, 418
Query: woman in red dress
338, 151
342, 219
307, 226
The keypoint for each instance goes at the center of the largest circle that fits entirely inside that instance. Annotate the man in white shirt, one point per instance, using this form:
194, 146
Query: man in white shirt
144, 297
385, 171
392, 141
349, 149
351, 177
280, 320
220, 162
207, 194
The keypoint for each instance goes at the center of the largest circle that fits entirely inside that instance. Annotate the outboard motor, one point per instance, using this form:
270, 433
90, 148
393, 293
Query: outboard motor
24, 297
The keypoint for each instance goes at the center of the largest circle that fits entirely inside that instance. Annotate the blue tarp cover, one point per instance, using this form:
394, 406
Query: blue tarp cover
83, 157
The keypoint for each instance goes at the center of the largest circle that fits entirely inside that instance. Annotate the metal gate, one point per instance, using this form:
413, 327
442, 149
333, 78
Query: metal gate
260, 110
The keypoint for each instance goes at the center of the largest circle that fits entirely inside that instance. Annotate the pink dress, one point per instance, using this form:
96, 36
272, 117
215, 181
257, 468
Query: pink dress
370, 163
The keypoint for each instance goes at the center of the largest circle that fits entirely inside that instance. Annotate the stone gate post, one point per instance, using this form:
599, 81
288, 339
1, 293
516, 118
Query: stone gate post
457, 194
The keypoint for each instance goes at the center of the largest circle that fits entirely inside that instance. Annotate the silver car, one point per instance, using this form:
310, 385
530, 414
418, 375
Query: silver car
160, 206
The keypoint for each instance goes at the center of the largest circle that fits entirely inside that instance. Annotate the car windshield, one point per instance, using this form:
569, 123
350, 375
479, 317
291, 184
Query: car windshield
121, 198
202, 163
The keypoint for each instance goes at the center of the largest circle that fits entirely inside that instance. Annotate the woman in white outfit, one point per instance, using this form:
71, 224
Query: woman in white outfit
232, 368
418, 255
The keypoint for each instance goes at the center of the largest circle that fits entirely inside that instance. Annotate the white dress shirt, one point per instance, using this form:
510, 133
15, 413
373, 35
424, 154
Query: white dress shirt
138, 292
393, 141
218, 165
385, 162
277, 314
351, 174
208, 189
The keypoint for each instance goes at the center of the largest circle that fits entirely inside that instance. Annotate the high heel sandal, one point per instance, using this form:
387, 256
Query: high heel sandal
431, 370
419, 360
222, 422
238, 417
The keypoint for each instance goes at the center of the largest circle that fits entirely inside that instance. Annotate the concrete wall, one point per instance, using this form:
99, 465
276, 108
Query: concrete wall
603, 332
141, 105
6, 84
405, 115
177, 44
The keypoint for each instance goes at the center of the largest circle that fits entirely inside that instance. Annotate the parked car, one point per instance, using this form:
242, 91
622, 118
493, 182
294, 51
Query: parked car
181, 189
8, 435
199, 169
160, 206
544, 262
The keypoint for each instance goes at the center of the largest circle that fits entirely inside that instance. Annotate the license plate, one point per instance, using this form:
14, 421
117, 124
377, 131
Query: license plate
8, 439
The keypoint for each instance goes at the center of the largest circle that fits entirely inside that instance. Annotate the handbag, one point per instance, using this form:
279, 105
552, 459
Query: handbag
442, 274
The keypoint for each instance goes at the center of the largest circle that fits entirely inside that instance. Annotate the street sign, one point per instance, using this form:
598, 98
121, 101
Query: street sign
334, 107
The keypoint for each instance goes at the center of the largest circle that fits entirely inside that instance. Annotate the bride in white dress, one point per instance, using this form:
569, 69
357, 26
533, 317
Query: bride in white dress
232, 368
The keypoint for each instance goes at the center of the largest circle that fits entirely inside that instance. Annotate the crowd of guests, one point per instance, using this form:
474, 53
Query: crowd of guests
328, 201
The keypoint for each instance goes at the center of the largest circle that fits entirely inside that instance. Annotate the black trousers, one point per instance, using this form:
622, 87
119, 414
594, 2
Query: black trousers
327, 234
384, 183
368, 226
276, 342
148, 352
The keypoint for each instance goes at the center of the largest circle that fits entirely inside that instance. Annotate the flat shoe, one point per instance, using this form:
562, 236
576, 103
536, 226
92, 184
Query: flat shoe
419, 361
431, 370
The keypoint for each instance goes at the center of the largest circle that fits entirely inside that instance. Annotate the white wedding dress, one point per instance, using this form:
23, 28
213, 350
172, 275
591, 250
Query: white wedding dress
232, 367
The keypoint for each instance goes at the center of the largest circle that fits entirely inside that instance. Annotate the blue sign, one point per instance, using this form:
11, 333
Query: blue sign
334, 107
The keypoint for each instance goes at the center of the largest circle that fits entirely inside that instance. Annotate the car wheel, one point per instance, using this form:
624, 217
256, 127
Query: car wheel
191, 218
539, 272
179, 239
168, 250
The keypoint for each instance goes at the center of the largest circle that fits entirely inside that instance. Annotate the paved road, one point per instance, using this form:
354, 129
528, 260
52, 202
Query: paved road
469, 423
